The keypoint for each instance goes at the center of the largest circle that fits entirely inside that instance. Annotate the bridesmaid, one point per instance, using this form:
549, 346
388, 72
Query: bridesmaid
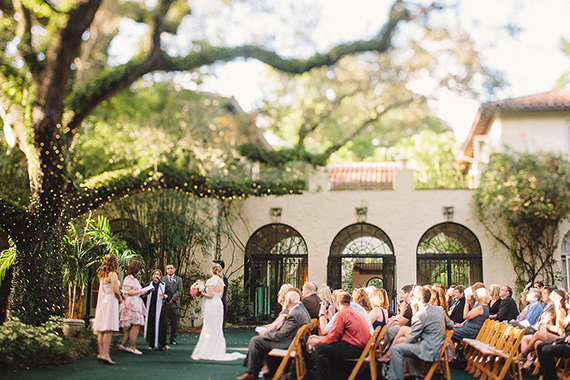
107, 311
133, 311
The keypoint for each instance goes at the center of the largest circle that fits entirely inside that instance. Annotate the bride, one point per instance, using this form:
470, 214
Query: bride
212, 344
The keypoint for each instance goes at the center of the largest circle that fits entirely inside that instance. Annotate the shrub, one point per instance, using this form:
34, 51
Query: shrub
239, 306
24, 345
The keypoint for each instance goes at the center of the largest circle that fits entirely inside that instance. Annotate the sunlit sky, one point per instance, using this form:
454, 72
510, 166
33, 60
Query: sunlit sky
531, 59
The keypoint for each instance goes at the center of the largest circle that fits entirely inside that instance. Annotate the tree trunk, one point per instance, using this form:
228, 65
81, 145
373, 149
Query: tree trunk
37, 285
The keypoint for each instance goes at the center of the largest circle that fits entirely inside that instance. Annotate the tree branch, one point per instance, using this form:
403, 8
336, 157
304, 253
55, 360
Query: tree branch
102, 189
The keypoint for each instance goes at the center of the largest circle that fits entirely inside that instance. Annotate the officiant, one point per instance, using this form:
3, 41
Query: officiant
155, 326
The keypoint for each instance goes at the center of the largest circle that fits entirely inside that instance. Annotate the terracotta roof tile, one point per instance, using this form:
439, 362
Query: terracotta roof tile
361, 175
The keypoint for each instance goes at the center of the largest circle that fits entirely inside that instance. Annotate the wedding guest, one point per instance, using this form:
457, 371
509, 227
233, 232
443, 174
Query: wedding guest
133, 311
379, 314
347, 339
474, 318
456, 310
155, 327
172, 305
107, 311
495, 303
508, 310
310, 299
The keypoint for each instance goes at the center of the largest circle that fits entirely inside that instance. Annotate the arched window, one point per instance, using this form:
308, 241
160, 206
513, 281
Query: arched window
275, 254
359, 253
449, 254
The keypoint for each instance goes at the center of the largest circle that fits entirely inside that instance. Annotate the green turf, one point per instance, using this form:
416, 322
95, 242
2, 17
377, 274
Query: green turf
160, 365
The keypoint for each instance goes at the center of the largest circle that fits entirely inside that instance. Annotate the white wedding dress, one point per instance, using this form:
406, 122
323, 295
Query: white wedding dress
212, 344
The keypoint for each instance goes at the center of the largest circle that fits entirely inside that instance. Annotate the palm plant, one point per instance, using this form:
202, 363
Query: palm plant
83, 253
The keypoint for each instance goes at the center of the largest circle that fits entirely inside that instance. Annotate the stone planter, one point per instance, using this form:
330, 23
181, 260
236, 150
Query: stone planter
72, 325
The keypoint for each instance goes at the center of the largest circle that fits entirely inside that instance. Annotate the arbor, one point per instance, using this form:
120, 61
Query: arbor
55, 72
521, 201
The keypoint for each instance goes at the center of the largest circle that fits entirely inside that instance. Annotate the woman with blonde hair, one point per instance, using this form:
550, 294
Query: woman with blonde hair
474, 318
107, 311
379, 314
495, 299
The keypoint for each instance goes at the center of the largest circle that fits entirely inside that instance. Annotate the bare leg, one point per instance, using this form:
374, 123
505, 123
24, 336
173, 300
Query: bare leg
100, 343
133, 333
126, 336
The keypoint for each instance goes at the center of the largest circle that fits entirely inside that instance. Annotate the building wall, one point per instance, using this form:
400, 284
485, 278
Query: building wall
532, 131
403, 213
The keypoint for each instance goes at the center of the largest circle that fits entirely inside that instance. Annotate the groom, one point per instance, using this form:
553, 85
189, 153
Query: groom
172, 305
260, 345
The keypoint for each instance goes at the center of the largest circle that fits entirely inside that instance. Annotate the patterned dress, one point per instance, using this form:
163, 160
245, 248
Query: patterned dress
133, 311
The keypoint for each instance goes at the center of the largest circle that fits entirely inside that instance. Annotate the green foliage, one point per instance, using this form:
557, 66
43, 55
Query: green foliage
279, 158
7, 258
24, 345
239, 305
521, 201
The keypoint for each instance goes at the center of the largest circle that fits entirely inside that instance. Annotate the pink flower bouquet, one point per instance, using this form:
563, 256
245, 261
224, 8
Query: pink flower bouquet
197, 286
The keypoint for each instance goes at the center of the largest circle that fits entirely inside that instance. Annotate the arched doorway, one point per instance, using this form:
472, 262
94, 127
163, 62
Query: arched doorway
275, 254
359, 253
449, 254
565, 256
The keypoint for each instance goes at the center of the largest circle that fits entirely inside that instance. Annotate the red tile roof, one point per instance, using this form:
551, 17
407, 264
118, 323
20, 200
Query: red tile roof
361, 175
555, 100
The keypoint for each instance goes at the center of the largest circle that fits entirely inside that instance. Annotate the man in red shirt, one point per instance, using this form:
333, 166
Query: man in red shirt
346, 340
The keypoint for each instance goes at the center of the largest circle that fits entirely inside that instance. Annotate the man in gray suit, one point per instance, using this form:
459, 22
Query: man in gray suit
425, 339
172, 304
282, 337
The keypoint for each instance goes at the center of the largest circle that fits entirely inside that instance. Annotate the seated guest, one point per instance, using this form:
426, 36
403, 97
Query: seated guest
548, 354
534, 309
456, 310
424, 341
310, 299
508, 310
356, 307
402, 320
283, 312
495, 303
379, 314
346, 340
474, 318
523, 302
549, 333
282, 337
361, 297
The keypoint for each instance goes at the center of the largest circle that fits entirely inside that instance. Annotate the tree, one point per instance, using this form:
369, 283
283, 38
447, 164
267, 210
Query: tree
58, 75
521, 201
365, 102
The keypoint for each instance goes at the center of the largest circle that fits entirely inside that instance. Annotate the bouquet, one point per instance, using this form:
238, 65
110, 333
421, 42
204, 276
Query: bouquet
197, 286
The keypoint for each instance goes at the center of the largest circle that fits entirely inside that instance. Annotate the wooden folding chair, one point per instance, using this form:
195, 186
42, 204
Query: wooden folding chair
441, 365
493, 338
368, 355
295, 353
486, 335
563, 369
503, 361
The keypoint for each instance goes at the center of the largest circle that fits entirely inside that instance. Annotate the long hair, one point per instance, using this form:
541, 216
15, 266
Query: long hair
360, 297
217, 269
110, 264
380, 299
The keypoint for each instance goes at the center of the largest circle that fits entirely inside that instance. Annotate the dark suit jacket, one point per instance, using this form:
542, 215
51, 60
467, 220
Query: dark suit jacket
457, 312
313, 304
173, 290
508, 310
284, 335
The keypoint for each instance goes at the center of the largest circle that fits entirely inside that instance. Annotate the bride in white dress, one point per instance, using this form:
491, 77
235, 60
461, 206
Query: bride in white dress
212, 344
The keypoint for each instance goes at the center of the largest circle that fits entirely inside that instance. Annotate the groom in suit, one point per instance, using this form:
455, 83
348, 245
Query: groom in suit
172, 305
282, 337
425, 339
